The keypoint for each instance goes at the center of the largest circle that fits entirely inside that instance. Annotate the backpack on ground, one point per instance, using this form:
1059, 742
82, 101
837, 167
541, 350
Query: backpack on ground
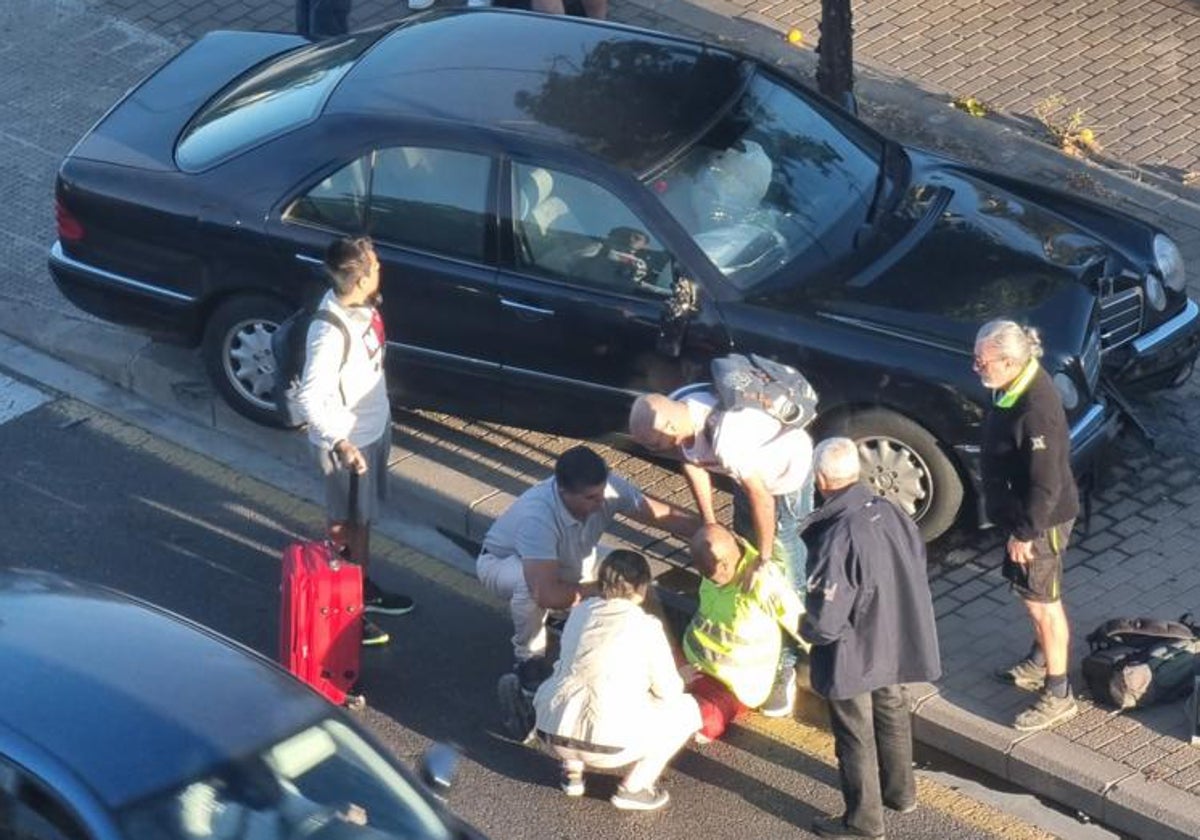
289, 346
1136, 662
754, 381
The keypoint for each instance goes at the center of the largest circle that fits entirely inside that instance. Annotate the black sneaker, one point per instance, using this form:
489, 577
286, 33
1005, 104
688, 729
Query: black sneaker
782, 700
532, 673
373, 634
516, 708
650, 799
375, 600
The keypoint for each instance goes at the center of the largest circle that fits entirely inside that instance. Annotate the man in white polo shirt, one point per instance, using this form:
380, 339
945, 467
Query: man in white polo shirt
542, 553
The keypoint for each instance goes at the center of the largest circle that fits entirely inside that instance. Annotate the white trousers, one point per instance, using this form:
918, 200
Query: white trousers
673, 723
504, 577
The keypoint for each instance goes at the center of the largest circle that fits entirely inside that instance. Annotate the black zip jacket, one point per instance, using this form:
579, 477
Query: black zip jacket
1027, 482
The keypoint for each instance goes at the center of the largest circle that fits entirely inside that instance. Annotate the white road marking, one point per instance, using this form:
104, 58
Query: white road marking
17, 398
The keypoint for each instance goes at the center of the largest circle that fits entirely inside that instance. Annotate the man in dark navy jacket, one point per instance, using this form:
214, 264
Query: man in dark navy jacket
870, 621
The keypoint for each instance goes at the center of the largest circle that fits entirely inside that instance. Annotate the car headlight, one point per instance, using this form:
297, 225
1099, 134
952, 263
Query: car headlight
1169, 262
1155, 293
1066, 390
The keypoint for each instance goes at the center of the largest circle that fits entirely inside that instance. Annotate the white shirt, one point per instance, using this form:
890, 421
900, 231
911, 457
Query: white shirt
347, 401
538, 526
748, 443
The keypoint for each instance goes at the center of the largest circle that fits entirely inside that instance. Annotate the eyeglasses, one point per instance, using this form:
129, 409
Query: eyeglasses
981, 362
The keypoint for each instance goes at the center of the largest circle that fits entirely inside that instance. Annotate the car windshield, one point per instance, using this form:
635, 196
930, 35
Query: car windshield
274, 98
775, 180
323, 783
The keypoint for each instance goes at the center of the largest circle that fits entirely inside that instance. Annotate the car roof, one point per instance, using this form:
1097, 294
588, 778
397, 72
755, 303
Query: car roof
629, 96
130, 698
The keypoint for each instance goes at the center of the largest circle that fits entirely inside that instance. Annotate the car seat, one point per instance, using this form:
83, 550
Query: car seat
540, 216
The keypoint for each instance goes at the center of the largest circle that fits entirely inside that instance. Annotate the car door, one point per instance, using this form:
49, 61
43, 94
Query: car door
431, 213
582, 289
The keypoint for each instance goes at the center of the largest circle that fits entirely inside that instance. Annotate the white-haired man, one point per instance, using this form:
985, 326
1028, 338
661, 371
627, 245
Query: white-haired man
869, 616
771, 466
1030, 494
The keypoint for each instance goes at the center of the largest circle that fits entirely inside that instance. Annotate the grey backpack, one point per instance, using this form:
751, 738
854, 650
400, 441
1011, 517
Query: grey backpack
754, 381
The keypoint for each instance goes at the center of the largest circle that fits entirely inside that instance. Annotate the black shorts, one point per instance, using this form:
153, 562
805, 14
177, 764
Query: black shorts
1041, 578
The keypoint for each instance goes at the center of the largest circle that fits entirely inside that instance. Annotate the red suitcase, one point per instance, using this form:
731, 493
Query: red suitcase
320, 617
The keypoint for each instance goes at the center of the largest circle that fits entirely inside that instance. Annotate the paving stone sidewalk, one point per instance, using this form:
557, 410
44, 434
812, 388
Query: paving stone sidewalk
1136, 556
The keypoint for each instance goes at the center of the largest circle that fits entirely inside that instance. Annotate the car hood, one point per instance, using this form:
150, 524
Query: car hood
140, 131
963, 251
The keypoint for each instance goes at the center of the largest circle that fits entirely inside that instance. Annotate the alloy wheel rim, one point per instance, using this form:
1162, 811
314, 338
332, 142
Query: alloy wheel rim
895, 471
248, 361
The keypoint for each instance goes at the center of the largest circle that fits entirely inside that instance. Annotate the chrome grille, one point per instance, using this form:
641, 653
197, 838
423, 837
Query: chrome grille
1120, 318
1090, 359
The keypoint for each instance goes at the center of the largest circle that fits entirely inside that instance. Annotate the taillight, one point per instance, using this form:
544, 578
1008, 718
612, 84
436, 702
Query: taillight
68, 226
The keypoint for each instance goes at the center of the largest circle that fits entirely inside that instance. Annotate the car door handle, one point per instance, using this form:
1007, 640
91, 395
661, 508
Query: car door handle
305, 258
526, 309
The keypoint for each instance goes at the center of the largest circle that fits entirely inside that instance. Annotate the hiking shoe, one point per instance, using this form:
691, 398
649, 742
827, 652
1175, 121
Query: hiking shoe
375, 600
650, 799
1047, 711
516, 709
1026, 675
571, 782
373, 634
782, 700
532, 673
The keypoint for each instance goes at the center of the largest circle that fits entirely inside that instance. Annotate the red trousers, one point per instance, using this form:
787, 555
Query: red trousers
718, 705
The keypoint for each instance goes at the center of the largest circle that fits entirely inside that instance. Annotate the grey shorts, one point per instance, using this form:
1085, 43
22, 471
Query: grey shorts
372, 485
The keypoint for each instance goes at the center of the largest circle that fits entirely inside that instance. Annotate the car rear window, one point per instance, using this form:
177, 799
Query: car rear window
273, 98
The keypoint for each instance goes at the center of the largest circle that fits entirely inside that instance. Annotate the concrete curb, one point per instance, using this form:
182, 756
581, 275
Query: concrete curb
171, 381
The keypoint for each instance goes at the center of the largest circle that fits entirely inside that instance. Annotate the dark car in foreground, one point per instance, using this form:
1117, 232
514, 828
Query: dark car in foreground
121, 721
537, 186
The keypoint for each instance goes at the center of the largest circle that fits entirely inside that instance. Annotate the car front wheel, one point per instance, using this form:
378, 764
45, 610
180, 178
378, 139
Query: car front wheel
903, 462
237, 353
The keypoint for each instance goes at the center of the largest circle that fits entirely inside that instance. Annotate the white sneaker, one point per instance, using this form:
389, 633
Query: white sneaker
419, 5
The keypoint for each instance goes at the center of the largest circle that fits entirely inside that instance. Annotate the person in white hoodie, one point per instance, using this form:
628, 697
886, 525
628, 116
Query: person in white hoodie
343, 397
615, 697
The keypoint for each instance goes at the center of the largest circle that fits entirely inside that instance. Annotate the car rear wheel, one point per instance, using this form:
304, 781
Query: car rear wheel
903, 462
237, 353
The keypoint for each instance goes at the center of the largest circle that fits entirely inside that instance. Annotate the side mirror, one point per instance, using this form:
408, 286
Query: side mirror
677, 312
438, 768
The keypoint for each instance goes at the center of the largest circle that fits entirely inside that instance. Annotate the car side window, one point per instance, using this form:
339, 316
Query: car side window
432, 199
570, 229
338, 202
29, 811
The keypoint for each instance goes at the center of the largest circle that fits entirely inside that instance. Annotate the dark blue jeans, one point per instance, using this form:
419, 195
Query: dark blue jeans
789, 551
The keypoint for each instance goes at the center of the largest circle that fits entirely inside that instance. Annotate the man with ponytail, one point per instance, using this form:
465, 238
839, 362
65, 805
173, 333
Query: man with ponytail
1030, 494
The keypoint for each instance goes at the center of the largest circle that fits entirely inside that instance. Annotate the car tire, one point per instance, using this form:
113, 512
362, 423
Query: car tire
237, 354
903, 462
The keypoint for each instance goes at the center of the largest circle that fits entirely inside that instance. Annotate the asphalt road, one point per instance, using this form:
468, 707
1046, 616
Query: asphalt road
88, 495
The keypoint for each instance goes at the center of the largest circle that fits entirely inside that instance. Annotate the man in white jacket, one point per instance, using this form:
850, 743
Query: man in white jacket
615, 697
344, 399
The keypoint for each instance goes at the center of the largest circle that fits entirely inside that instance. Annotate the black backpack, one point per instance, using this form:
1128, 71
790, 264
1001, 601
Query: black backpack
1135, 662
289, 346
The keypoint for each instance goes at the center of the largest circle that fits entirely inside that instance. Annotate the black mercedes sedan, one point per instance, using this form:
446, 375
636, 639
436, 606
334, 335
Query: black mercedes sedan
122, 721
537, 187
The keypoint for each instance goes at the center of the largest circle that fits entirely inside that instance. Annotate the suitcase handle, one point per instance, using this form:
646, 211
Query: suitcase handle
336, 552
